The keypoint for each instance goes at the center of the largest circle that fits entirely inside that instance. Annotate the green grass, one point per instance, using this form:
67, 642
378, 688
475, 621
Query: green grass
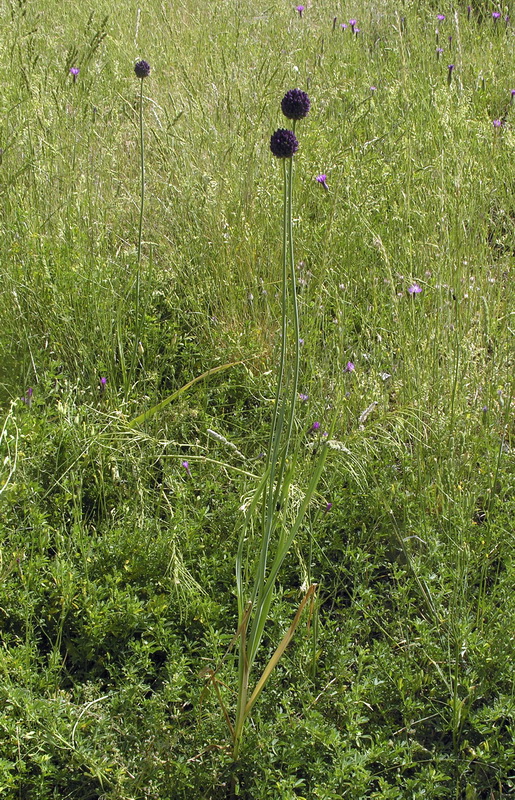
117, 567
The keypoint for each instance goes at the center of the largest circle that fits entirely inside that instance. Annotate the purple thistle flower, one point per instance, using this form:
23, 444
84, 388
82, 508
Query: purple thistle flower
295, 104
283, 143
322, 179
440, 17
300, 9
74, 71
349, 367
414, 289
315, 426
142, 69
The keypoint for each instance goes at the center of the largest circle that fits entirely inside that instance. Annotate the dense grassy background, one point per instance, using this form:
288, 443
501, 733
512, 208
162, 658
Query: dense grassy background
116, 565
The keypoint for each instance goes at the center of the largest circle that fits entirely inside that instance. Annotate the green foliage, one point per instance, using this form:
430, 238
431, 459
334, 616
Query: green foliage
116, 563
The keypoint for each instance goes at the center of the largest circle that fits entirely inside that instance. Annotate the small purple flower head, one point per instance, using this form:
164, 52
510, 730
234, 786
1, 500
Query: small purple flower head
450, 70
315, 426
303, 397
440, 17
450, 67
328, 507
497, 123
103, 382
295, 104
496, 15
300, 9
373, 88
343, 26
469, 11
322, 179
349, 367
283, 143
74, 71
142, 69
439, 51
414, 289
186, 467
28, 397
353, 23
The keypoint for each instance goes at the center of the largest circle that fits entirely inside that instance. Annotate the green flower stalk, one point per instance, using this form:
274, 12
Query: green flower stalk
142, 71
269, 505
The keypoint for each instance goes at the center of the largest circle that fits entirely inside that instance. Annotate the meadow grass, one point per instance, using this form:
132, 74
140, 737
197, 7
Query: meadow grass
117, 594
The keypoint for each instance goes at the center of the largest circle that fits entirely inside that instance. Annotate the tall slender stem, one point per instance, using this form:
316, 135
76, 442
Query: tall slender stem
140, 234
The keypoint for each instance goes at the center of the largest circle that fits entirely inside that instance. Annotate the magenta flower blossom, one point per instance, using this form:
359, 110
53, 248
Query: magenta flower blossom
440, 17
103, 382
328, 507
414, 289
300, 9
353, 23
343, 26
315, 426
497, 123
186, 467
349, 367
496, 15
74, 71
322, 179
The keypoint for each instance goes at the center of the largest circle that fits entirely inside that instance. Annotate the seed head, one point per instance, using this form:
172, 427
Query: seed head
295, 104
283, 143
142, 69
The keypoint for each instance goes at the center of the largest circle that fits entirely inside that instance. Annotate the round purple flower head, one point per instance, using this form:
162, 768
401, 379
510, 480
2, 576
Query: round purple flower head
295, 104
283, 143
142, 69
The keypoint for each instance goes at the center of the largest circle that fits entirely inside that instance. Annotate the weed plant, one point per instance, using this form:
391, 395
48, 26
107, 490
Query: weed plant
118, 542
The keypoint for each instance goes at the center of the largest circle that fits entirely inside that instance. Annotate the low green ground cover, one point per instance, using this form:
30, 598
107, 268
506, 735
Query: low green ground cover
118, 607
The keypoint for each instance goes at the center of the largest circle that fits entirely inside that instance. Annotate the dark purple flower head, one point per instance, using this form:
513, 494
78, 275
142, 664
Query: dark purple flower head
295, 104
283, 143
450, 67
103, 382
328, 507
315, 426
323, 180
142, 69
